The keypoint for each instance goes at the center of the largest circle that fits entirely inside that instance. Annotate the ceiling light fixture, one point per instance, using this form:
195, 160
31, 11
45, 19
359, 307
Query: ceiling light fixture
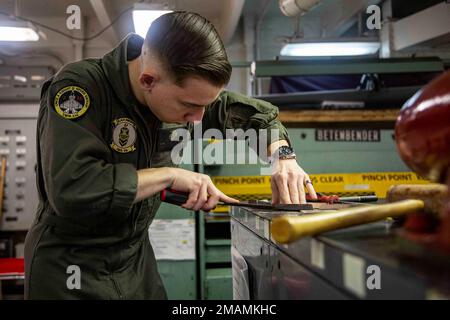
17, 31
143, 17
330, 47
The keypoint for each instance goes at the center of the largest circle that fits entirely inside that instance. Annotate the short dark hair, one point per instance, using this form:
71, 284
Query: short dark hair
189, 45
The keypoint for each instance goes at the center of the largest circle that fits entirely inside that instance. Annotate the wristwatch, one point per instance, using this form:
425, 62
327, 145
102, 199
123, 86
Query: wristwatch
284, 153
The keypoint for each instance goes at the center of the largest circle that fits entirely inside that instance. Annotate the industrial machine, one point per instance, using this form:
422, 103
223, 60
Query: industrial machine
297, 255
325, 138
363, 262
344, 138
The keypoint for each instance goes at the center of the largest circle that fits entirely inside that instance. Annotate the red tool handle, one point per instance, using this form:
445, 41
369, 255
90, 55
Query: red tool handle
174, 196
322, 198
334, 198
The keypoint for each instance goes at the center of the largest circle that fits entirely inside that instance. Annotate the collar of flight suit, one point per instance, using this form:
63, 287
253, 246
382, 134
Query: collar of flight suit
115, 66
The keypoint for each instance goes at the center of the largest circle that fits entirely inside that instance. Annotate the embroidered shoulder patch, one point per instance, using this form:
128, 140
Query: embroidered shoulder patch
71, 102
124, 135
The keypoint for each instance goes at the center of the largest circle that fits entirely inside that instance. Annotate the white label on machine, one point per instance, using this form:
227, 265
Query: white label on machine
241, 290
356, 187
354, 274
267, 229
317, 254
173, 239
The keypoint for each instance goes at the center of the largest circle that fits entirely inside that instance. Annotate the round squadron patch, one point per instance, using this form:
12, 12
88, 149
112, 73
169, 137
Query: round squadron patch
124, 135
71, 102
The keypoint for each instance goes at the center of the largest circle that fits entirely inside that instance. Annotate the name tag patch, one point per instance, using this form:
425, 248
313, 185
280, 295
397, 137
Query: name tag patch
124, 135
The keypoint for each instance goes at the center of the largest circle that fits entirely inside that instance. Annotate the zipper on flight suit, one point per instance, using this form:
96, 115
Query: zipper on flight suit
117, 287
145, 133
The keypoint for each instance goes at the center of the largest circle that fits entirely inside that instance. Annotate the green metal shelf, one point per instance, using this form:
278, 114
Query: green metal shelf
328, 66
219, 284
218, 242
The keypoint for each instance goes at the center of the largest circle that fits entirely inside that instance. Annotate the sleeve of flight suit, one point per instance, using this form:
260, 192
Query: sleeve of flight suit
236, 111
79, 175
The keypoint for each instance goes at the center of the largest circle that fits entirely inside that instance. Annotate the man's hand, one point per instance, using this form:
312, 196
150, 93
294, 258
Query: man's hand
289, 181
203, 194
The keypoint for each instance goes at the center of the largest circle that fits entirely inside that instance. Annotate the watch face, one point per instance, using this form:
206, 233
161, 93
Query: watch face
285, 151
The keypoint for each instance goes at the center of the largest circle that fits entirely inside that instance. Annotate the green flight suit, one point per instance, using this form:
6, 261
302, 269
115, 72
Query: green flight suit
88, 240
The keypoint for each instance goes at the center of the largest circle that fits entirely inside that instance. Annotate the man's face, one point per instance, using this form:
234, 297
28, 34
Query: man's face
183, 103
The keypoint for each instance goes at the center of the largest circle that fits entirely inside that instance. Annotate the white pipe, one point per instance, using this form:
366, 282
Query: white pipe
229, 18
292, 8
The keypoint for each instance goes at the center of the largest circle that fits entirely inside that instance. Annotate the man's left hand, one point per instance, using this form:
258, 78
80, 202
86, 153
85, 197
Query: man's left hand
289, 181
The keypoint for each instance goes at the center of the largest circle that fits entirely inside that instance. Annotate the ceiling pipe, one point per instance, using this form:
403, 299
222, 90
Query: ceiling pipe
293, 8
258, 24
259, 19
229, 18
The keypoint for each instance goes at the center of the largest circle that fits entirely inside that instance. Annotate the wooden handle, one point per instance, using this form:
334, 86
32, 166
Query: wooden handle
433, 195
286, 229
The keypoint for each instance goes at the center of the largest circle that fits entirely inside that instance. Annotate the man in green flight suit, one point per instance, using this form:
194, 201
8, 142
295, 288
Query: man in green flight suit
99, 167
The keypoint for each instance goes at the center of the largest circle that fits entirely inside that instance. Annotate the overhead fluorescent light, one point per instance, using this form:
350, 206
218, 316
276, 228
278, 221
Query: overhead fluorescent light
17, 31
325, 48
143, 18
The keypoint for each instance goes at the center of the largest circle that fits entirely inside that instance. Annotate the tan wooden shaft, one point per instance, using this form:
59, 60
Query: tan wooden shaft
433, 195
286, 229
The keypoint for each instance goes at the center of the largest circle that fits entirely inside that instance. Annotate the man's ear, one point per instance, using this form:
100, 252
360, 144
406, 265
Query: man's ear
147, 81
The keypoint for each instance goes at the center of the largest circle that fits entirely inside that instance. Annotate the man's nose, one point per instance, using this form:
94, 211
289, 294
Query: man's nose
195, 115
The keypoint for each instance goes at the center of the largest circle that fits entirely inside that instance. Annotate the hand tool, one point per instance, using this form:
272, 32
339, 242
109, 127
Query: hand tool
336, 199
422, 135
421, 226
286, 229
405, 199
432, 194
178, 198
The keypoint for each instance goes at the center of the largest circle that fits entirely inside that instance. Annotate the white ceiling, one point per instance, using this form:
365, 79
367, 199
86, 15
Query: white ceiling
334, 18
42, 10
55, 8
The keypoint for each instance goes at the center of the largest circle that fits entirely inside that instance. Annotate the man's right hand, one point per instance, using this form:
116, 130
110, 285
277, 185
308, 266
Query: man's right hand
203, 194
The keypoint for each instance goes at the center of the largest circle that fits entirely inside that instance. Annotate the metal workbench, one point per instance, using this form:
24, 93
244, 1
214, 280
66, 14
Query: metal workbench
371, 261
